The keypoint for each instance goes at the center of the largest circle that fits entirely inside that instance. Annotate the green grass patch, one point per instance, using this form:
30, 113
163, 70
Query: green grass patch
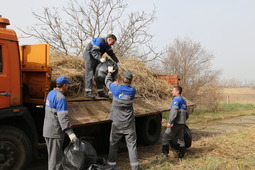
227, 111
237, 107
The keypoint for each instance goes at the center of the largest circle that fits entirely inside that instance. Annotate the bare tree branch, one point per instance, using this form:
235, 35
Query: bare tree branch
192, 63
69, 29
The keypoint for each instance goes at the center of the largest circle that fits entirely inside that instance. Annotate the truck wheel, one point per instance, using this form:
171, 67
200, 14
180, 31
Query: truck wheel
150, 129
15, 148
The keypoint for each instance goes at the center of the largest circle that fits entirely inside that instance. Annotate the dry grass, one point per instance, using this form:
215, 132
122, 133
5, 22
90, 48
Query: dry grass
70, 67
228, 147
145, 80
233, 150
238, 95
238, 90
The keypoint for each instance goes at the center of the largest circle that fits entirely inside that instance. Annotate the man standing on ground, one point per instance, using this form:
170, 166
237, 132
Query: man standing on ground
176, 124
93, 56
122, 116
56, 123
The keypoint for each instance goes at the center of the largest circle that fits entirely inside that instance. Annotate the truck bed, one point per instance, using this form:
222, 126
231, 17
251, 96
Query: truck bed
84, 112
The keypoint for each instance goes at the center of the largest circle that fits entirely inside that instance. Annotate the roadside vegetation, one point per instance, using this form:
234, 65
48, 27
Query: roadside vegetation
232, 150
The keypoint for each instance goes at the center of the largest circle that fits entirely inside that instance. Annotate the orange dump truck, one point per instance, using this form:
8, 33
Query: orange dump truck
25, 78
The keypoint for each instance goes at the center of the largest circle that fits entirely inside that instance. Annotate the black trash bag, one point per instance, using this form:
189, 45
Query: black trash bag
103, 167
102, 71
79, 156
101, 164
187, 139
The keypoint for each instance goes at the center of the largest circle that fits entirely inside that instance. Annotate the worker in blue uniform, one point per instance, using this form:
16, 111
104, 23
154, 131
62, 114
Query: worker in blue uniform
93, 56
57, 123
122, 116
176, 123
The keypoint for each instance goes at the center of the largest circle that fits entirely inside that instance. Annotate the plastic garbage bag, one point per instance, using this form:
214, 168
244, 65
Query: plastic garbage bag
187, 139
103, 167
79, 156
102, 71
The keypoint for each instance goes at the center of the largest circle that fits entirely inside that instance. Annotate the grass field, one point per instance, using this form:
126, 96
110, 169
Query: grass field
239, 90
232, 150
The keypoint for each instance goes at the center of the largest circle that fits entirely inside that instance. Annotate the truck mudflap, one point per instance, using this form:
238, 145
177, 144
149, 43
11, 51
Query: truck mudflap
87, 112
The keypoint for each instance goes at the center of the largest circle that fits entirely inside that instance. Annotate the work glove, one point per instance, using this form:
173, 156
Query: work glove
110, 69
102, 60
73, 137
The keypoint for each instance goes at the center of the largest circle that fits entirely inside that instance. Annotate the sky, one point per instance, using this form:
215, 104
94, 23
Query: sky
224, 27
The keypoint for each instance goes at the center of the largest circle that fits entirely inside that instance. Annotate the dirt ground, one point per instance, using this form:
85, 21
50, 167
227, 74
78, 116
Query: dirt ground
198, 131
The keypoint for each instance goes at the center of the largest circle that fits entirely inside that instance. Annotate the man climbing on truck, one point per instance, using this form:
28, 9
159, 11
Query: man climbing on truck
122, 116
93, 56
56, 123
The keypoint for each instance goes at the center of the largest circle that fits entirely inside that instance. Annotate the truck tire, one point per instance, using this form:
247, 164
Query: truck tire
150, 129
15, 148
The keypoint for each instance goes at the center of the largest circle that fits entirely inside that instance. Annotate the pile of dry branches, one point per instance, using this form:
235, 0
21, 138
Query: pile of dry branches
71, 67
145, 80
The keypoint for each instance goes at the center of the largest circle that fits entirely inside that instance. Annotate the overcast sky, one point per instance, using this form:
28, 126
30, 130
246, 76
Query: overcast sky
225, 27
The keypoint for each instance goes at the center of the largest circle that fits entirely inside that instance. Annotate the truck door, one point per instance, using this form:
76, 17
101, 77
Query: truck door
4, 78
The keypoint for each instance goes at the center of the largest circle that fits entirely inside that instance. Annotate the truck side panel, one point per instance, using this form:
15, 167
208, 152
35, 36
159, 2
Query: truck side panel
35, 72
84, 113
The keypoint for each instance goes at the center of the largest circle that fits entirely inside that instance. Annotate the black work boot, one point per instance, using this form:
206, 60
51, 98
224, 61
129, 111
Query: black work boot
165, 150
182, 152
102, 94
89, 94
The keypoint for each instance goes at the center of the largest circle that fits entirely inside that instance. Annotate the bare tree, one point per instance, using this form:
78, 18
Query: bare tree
192, 63
69, 29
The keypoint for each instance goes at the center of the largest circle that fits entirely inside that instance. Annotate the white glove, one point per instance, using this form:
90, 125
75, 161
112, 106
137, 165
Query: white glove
102, 60
73, 137
110, 69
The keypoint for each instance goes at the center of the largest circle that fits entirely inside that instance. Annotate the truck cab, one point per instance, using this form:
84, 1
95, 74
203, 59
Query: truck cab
22, 82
